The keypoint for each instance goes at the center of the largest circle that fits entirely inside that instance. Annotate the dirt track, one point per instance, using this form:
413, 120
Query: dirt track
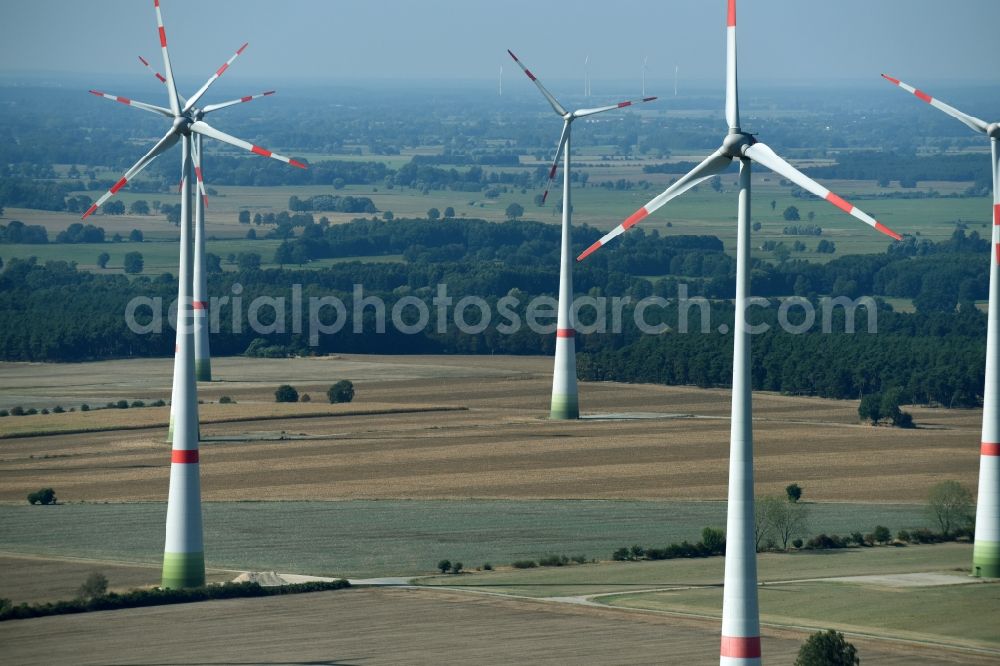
502, 447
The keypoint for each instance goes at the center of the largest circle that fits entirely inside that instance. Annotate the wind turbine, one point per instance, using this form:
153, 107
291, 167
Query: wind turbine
586, 76
202, 354
183, 557
740, 615
677, 69
500, 93
645, 62
565, 400
986, 548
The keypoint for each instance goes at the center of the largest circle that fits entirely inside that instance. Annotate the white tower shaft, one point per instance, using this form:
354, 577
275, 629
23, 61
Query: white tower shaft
202, 355
565, 398
740, 615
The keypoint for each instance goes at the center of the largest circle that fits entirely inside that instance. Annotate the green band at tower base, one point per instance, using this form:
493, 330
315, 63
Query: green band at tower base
986, 559
183, 570
565, 407
203, 369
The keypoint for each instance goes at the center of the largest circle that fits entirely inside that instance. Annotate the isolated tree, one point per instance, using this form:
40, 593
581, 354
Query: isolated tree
342, 391
139, 207
102, 259
244, 217
882, 534
950, 504
135, 236
791, 214
514, 211
756, 226
811, 216
433, 214
388, 216
114, 208
133, 263
826, 247
774, 204
286, 393
251, 234
827, 648
96, 585
257, 219
449, 213
784, 519
456, 567
43, 496
761, 524
444, 566
794, 492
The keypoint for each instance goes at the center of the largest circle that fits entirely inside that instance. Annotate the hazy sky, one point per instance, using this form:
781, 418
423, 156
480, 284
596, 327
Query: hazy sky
780, 40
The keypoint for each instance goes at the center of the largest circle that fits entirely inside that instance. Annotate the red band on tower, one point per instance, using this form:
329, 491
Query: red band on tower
184, 456
731, 18
739, 647
565, 333
989, 449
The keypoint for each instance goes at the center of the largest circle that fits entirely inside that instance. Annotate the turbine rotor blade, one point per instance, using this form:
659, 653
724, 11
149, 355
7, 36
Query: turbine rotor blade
241, 100
732, 95
762, 154
971, 121
203, 128
169, 139
199, 181
131, 102
713, 165
212, 79
159, 77
580, 113
552, 100
555, 160
175, 106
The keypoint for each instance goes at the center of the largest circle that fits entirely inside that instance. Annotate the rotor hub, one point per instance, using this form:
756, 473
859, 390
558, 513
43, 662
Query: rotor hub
183, 124
993, 131
734, 144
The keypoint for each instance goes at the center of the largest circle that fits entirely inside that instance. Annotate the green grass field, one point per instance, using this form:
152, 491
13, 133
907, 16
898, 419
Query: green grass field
371, 538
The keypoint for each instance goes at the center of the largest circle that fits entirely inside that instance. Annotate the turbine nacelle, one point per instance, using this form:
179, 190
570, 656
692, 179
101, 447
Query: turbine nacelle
993, 131
182, 124
736, 143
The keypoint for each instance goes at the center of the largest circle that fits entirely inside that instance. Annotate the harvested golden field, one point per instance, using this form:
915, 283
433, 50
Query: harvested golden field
636, 442
393, 626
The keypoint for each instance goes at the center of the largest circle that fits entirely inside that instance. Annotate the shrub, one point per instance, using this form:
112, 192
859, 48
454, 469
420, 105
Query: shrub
121, 404
43, 496
636, 552
96, 585
30, 412
924, 535
827, 648
524, 564
44, 410
305, 398
620, 555
444, 566
4, 412
714, 541
456, 567
17, 411
794, 492
158, 403
487, 567
342, 391
138, 403
903, 536
578, 559
225, 400
58, 409
797, 543
553, 561
286, 393
84, 407
858, 538
882, 534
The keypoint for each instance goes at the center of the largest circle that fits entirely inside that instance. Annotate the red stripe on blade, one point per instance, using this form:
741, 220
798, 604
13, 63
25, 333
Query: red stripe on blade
89, 212
624, 104
117, 186
530, 75
270, 92
989, 449
890, 79
839, 203
648, 99
241, 48
996, 214
997, 246
197, 173
261, 151
143, 61
635, 218
97, 92
589, 251
565, 333
222, 69
246, 99
184, 456
552, 172
740, 647
163, 37
922, 95
123, 100
296, 163
731, 18
887, 231
545, 196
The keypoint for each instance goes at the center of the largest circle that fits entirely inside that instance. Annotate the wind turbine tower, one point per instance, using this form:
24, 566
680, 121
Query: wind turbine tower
183, 557
986, 548
740, 615
565, 399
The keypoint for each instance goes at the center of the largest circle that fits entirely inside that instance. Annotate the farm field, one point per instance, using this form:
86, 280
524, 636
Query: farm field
672, 445
413, 626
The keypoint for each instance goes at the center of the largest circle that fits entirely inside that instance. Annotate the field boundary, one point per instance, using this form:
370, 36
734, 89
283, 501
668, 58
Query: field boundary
238, 419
